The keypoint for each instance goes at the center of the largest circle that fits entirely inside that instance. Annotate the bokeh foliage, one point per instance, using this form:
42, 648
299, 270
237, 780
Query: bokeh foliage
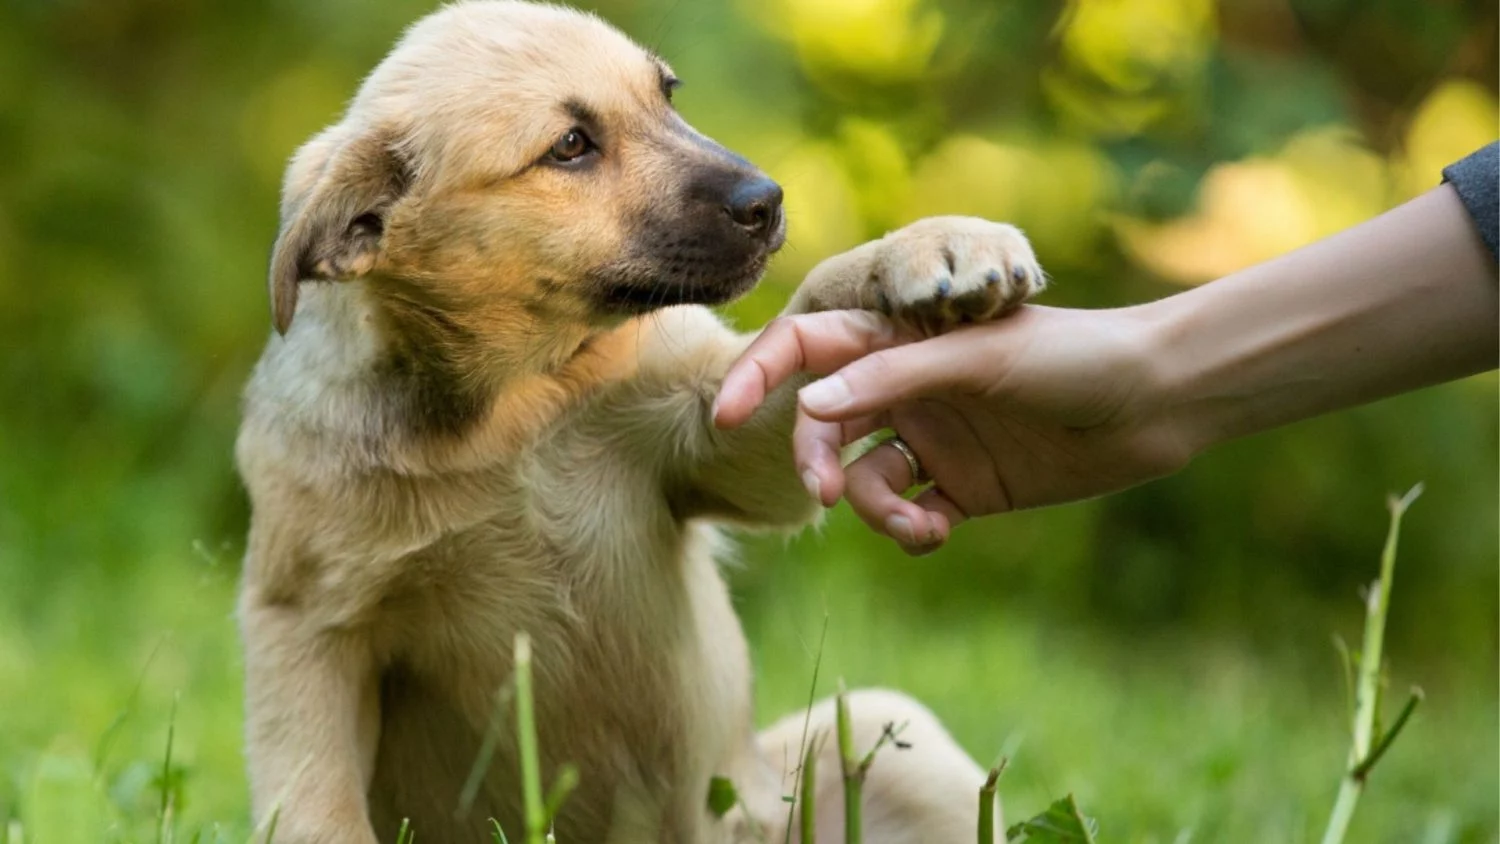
1163, 651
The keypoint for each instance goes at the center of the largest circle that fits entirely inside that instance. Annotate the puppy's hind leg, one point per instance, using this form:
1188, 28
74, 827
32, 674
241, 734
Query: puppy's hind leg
923, 792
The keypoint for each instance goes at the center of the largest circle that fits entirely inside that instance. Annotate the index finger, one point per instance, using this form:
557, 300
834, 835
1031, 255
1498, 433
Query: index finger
819, 343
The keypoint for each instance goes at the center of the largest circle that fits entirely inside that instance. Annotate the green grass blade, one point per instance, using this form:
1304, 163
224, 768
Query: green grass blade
486, 753
531, 771
849, 764
812, 694
164, 818
567, 780
107, 738
271, 827
1362, 770
808, 808
1364, 750
987, 804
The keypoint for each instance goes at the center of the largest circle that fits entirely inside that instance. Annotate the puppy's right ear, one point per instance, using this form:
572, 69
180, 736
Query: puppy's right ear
339, 190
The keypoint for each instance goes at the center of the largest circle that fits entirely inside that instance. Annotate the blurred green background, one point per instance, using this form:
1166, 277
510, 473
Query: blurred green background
1166, 653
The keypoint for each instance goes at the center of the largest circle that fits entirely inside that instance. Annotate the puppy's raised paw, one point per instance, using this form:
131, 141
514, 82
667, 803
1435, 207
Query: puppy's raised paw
942, 271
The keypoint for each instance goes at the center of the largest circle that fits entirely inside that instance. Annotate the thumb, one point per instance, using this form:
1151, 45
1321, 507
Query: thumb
886, 378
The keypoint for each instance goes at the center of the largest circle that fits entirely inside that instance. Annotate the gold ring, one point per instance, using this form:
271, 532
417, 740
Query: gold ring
917, 476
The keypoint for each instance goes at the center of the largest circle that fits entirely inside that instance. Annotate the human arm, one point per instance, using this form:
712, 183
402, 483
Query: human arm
1403, 301
1054, 405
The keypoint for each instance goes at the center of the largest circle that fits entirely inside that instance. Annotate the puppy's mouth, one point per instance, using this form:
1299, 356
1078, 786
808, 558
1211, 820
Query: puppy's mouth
630, 297
685, 272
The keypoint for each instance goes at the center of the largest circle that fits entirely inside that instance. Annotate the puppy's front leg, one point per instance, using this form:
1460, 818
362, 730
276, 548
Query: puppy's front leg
312, 722
745, 475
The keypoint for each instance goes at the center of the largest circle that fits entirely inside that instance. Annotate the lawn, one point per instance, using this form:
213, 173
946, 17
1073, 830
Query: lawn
1171, 736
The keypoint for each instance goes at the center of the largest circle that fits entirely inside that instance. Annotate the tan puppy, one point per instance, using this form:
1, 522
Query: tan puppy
494, 422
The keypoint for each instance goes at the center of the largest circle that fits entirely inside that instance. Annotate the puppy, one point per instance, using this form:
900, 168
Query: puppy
486, 410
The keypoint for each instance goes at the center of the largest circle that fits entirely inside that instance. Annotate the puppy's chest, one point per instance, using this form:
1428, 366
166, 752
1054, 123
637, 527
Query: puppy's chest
587, 556
642, 674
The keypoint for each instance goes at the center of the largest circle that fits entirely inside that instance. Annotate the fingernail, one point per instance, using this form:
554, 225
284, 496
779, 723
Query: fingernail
813, 484
825, 396
899, 527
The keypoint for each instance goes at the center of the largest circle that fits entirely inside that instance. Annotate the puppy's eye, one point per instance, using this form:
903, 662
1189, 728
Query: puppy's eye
670, 84
572, 145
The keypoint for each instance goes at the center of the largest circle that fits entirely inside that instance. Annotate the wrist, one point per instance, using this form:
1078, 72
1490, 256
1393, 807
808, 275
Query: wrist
1174, 371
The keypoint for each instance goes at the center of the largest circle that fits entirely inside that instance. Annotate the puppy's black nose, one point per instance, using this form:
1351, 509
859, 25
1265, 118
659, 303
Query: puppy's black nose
755, 204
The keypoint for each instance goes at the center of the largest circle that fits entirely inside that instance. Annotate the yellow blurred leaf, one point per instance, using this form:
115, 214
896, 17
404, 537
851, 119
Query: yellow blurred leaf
1458, 117
1127, 63
878, 171
1053, 191
1320, 183
1130, 45
880, 40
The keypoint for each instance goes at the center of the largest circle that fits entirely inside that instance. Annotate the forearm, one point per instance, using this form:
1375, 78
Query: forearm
1400, 302
744, 475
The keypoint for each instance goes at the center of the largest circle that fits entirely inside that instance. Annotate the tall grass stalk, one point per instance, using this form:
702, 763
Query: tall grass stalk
802, 773
531, 766
164, 823
271, 825
808, 792
853, 782
987, 803
1366, 748
486, 753
855, 768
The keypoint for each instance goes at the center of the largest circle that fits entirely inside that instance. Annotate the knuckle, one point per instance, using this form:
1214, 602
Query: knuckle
783, 325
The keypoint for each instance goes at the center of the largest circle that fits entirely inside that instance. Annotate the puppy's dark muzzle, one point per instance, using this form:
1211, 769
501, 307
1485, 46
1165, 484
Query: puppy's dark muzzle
708, 247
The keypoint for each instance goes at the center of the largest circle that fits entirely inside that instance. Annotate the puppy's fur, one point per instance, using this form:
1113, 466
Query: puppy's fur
486, 411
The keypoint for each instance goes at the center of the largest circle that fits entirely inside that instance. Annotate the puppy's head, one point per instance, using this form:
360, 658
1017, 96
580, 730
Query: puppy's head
509, 164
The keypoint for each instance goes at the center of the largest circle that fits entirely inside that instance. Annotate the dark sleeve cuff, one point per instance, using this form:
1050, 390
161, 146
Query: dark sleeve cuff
1477, 180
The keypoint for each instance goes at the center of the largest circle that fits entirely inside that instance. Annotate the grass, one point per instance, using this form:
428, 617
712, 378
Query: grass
1165, 738
1369, 744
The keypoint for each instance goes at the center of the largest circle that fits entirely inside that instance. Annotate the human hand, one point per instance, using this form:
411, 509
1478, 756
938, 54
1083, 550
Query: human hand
1044, 406
1051, 405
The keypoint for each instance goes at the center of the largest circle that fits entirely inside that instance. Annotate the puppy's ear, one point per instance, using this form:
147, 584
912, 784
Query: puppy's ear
338, 192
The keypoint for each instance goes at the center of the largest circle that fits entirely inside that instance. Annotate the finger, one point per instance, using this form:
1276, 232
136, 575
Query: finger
888, 377
816, 446
945, 514
874, 484
818, 343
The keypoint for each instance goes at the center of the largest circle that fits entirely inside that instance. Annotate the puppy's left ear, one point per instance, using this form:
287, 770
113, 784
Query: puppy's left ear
339, 190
